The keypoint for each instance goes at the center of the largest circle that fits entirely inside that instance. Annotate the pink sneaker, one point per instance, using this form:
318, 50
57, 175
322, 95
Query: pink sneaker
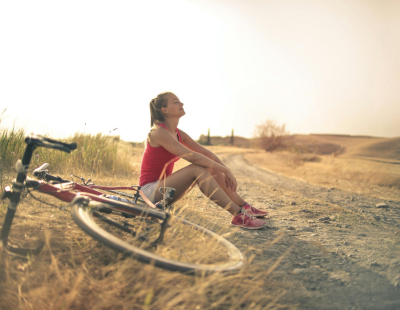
246, 220
254, 211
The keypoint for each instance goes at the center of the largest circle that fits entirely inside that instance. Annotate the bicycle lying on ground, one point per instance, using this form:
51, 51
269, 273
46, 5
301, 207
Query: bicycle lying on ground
134, 226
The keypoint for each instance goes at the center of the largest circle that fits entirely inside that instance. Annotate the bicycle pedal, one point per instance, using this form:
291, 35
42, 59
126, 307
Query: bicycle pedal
160, 205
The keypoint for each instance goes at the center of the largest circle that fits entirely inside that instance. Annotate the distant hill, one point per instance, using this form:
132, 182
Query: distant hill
386, 148
327, 144
218, 140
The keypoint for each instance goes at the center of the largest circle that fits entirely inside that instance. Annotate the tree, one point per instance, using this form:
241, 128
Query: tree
232, 138
270, 135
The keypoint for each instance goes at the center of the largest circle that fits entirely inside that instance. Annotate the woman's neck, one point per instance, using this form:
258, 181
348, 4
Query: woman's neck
171, 124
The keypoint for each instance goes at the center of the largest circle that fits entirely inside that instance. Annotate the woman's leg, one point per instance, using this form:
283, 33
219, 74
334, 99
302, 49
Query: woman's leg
220, 178
183, 179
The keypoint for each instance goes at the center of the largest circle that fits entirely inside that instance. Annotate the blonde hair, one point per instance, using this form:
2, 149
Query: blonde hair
156, 104
156, 114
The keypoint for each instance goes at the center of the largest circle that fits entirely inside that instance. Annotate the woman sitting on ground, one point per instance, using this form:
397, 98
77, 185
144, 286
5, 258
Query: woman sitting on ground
166, 144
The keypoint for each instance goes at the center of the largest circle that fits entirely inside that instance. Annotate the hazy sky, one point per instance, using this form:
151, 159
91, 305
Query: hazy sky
317, 66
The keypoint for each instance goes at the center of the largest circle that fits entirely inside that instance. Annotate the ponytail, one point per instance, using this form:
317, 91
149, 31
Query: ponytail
152, 112
156, 115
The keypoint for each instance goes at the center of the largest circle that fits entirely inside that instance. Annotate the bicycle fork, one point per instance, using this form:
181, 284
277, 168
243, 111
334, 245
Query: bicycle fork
14, 196
8, 222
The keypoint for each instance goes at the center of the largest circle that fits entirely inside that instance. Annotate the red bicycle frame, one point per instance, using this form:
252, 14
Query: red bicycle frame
68, 191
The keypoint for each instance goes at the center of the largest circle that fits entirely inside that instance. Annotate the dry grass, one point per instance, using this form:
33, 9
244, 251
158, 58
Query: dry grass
96, 155
76, 272
368, 165
364, 176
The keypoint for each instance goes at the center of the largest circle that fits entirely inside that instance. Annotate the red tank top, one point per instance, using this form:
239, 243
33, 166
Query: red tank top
154, 159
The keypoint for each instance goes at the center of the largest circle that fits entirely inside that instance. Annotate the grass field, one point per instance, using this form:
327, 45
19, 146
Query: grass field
365, 165
76, 272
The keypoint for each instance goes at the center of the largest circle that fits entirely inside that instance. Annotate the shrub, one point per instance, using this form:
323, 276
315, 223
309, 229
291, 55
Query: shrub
270, 135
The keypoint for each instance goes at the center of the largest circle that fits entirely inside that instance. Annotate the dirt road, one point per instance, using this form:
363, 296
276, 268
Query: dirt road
346, 250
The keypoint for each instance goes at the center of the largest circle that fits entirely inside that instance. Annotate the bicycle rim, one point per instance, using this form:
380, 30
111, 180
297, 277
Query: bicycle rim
187, 247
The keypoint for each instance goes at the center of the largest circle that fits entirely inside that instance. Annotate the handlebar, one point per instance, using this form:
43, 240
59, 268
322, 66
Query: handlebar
39, 140
32, 141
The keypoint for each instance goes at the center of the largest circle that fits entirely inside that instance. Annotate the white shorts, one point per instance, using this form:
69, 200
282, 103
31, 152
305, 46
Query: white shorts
150, 190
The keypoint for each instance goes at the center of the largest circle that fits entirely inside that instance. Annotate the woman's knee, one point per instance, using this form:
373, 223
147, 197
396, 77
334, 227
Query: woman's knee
217, 175
197, 170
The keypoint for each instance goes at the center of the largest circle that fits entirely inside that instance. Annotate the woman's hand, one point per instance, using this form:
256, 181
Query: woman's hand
230, 180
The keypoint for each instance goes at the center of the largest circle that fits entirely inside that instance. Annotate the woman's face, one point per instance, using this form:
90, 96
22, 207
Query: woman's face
174, 106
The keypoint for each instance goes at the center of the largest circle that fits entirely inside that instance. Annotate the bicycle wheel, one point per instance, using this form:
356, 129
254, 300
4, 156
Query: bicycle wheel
186, 246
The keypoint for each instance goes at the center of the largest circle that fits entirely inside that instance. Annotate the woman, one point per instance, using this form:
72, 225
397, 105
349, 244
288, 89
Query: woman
165, 144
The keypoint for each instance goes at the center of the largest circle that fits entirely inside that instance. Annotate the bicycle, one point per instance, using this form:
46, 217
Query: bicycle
134, 227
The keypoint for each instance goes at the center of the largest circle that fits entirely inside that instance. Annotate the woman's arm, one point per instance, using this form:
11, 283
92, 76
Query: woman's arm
196, 147
164, 138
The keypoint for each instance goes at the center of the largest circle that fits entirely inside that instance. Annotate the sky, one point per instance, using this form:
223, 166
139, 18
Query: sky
92, 66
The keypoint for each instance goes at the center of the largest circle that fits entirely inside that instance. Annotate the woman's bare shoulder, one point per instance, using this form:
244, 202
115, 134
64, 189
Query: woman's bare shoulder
157, 134
153, 136
158, 131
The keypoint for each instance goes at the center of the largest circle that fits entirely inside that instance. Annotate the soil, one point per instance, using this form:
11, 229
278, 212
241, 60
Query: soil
338, 250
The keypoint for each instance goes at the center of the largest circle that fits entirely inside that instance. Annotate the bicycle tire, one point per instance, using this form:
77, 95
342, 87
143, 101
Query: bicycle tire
84, 217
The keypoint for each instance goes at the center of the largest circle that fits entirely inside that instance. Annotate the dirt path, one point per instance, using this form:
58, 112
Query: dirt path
346, 251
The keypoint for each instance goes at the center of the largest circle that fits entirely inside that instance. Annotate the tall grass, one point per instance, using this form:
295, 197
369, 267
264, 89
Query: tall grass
11, 147
101, 154
95, 155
